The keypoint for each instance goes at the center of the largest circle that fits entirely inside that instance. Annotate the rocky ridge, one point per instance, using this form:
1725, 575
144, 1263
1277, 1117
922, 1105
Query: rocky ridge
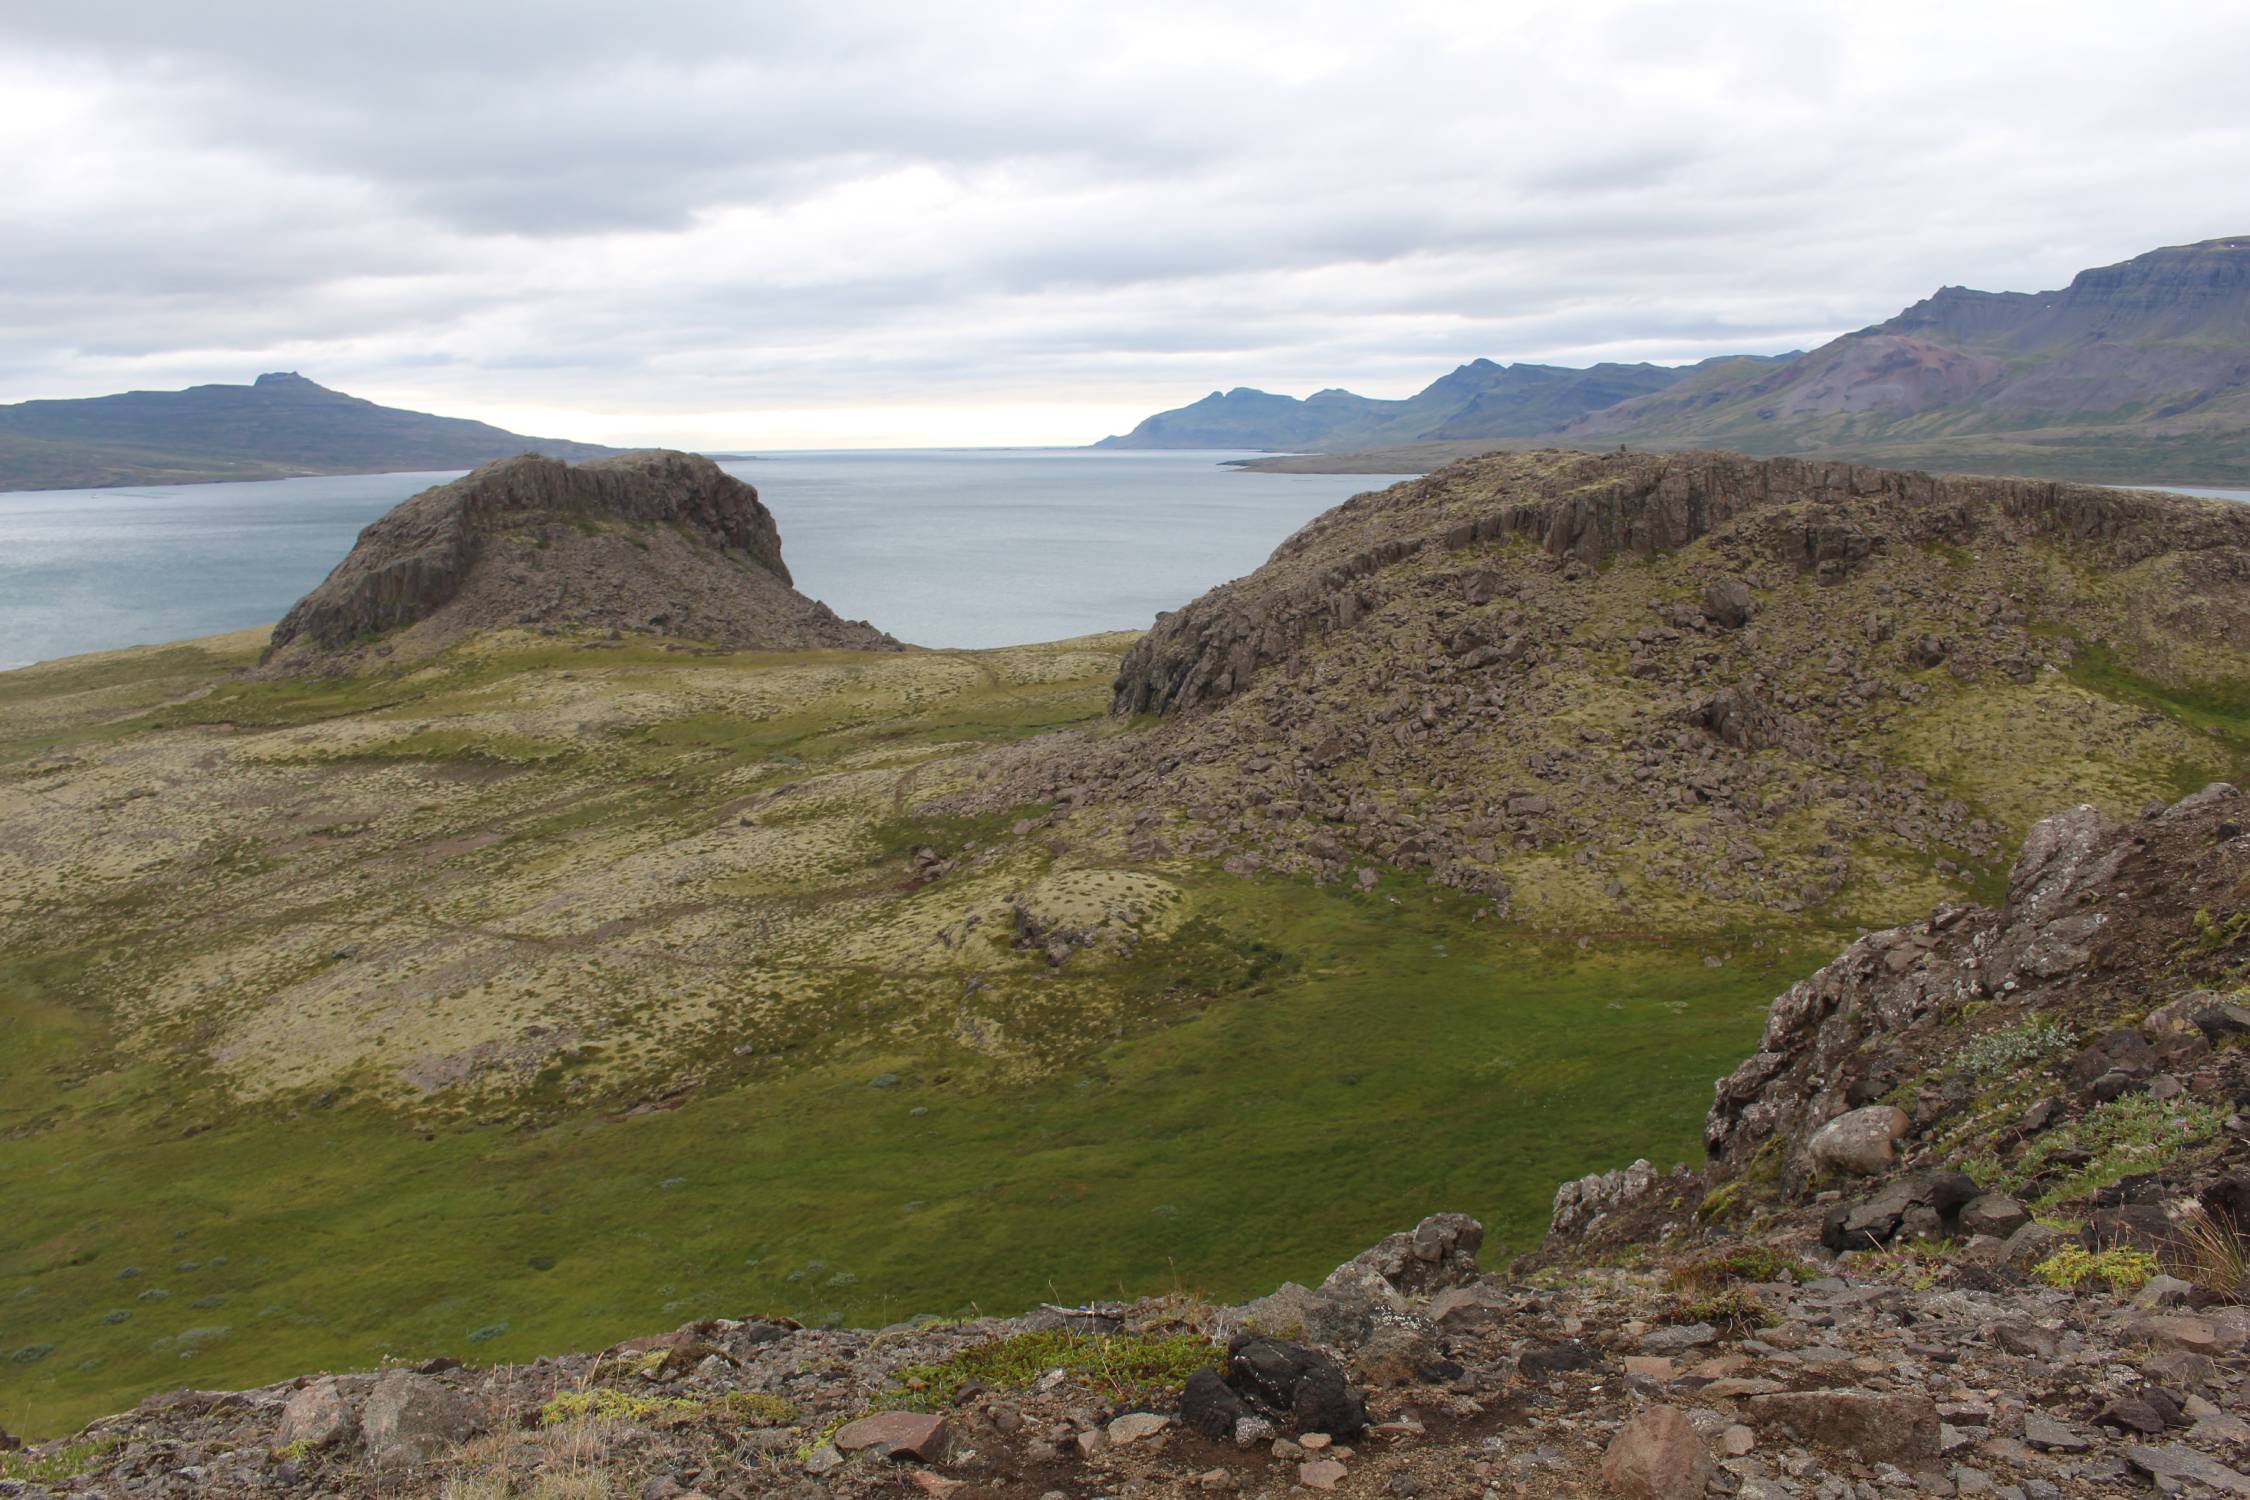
661, 542
1580, 683
1703, 1331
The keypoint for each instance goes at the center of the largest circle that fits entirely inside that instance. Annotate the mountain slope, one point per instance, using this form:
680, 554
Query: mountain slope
280, 425
1478, 400
2139, 370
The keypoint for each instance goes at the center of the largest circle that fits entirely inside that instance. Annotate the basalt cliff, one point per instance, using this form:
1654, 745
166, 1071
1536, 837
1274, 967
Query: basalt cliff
658, 542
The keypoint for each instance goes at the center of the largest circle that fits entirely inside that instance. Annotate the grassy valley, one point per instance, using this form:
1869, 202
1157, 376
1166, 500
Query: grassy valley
778, 1093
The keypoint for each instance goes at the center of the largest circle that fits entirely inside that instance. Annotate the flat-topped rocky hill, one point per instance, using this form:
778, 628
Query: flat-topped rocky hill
659, 542
1670, 685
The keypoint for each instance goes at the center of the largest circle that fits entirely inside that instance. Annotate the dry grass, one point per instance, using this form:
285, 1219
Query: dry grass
2211, 1252
570, 1462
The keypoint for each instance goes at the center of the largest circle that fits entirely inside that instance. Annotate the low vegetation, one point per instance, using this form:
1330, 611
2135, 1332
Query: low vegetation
1116, 1366
2073, 1269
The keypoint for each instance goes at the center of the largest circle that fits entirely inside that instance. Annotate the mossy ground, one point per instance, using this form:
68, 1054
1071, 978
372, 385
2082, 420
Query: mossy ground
276, 952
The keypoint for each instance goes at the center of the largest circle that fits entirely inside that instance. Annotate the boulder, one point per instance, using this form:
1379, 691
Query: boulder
1210, 1405
1995, 1214
1726, 602
1299, 1387
411, 1419
1861, 1142
1657, 1456
317, 1416
1400, 1351
1921, 1206
1585, 1200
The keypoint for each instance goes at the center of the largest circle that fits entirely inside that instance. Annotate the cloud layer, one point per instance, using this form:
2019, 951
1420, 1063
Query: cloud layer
966, 222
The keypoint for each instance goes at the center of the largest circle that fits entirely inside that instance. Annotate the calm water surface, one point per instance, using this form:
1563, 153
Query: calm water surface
940, 547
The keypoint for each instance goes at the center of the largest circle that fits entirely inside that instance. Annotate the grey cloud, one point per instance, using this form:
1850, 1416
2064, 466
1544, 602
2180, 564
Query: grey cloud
759, 209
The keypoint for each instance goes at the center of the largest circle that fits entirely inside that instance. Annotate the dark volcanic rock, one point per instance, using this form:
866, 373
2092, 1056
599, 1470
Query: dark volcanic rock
1296, 1385
659, 542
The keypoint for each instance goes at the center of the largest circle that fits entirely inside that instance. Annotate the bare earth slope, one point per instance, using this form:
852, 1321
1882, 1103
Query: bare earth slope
1648, 684
661, 542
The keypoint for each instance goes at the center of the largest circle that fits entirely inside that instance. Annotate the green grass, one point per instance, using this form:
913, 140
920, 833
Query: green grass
1116, 1365
2122, 1271
2133, 1133
1398, 1063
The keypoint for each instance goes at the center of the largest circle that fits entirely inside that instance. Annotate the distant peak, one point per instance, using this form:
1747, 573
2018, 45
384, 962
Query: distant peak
285, 378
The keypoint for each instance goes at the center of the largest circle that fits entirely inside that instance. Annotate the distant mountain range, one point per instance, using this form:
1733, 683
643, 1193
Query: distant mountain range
2136, 371
281, 425
1479, 400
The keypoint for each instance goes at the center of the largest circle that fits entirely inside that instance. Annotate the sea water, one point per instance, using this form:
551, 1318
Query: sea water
941, 547
944, 547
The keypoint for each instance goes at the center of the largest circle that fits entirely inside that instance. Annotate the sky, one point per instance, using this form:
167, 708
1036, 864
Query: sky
860, 223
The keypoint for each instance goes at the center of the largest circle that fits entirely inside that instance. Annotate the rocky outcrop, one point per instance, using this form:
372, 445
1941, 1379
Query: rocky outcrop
1819, 518
1708, 683
658, 542
2096, 909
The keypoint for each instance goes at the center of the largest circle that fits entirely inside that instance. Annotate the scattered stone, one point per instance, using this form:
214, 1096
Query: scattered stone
2181, 1464
1321, 1474
2044, 1432
1135, 1425
1657, 1456
897, 1434
1894, 1428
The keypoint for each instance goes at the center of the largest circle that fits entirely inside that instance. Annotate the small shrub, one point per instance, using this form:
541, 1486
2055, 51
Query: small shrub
1749, 1263
2071, 1268
1734, 1310
1722, 1204
2011, 1047
608, 1404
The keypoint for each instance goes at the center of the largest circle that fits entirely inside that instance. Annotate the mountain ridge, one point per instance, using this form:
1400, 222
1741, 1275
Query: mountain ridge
1478, 399
2136, 372
280, 426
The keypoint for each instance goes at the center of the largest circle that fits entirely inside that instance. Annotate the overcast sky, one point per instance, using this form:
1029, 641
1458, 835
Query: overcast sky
881, 222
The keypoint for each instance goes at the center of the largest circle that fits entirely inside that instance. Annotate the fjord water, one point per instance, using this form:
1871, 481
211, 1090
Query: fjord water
945, 547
